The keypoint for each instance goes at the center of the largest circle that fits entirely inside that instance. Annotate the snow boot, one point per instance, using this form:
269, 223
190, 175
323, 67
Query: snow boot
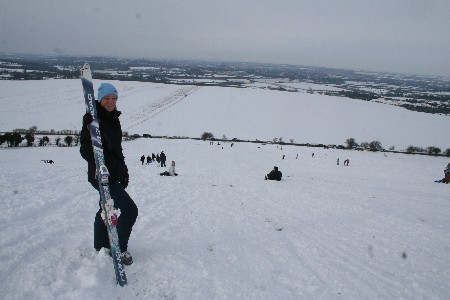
126, 258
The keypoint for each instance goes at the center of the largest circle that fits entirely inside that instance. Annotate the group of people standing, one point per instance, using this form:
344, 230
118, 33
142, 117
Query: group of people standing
160, 158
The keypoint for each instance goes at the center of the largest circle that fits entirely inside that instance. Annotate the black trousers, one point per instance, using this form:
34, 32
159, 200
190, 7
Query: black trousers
127, 218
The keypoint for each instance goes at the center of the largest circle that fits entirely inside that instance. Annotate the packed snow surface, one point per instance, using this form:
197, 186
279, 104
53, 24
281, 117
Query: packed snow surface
376, 229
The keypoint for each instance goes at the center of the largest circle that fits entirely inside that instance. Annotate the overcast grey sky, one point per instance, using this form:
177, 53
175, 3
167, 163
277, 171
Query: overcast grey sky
407, 36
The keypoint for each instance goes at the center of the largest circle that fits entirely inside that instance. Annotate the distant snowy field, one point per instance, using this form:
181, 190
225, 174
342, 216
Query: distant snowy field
251, 113
377, 229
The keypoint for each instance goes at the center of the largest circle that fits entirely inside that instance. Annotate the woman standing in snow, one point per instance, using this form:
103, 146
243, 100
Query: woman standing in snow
111, 134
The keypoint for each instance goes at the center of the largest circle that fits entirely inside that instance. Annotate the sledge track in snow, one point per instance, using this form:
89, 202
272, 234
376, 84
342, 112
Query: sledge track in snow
159, 106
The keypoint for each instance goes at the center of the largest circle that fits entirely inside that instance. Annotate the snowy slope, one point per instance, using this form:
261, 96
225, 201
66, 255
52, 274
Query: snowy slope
377, 229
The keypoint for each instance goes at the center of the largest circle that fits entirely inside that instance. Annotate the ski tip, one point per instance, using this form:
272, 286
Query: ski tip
86, 66
86, 71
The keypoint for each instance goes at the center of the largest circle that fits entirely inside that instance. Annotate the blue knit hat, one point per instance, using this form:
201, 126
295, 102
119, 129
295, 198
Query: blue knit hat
106, 89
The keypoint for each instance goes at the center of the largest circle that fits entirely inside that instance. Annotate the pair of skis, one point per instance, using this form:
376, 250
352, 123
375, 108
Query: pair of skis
106, 203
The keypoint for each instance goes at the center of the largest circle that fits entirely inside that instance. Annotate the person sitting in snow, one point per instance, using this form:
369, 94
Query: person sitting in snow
446, 178
48, 161
171, 171
274, 174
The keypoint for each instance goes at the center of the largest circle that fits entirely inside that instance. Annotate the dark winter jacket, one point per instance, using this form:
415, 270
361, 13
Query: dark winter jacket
111, 134
162, 157
274, 175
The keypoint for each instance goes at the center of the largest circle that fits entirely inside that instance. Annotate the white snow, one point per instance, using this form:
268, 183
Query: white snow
377, 229
244, 113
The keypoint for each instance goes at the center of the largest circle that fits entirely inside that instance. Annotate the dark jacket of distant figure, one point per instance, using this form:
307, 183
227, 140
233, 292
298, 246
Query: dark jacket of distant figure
162, 157
111, 134
274, 175
446, 178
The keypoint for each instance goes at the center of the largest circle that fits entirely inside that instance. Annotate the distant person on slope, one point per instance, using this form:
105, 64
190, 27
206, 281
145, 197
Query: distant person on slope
446, 178
111, 134
163, 158
142, 159
274, 174
171, 171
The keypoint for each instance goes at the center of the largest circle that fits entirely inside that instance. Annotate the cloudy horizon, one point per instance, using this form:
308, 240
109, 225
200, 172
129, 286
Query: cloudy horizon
405, 36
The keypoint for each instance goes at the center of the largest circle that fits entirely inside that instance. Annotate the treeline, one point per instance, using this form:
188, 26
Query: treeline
18, 136
376, 146
49, 132
14, 139
432, 150
351, 144
72, 138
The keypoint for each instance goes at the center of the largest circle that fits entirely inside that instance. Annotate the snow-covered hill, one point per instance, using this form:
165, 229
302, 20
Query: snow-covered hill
249, 114
377, 229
